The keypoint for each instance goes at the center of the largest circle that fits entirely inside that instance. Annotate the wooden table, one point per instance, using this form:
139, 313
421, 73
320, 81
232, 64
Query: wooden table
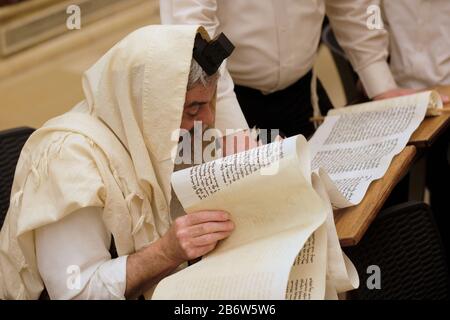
353, 222
423, 138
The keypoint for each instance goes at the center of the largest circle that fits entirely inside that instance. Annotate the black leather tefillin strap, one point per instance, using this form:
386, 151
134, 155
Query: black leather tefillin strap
210, 55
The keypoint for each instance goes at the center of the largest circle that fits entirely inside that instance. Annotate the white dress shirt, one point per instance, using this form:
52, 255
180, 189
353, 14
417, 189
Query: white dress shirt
276, 40
74, 261
419, 41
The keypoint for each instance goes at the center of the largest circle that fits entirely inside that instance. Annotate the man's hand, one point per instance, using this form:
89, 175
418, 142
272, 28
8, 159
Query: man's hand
188, 238
194, 235
395, 93
404, 92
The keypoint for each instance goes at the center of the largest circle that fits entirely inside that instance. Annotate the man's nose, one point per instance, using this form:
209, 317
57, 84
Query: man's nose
206, 116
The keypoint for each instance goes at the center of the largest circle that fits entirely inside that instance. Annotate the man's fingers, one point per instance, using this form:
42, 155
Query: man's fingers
201, 251
210, 238
210, 227
206, 216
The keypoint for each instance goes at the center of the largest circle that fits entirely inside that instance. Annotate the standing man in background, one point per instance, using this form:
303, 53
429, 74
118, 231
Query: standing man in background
276, 44
419, 33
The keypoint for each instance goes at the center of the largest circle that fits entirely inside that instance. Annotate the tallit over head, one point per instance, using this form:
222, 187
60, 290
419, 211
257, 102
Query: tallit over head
138, 89
112, 150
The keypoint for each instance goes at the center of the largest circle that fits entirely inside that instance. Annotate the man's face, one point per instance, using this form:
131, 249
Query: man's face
197, 106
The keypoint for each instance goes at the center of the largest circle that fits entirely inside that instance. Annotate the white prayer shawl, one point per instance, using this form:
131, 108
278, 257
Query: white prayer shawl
134, 101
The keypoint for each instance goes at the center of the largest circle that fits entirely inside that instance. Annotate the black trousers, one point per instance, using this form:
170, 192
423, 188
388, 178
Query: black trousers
288, 110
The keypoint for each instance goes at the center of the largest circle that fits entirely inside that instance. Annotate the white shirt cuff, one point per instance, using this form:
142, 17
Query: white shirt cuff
108, 282
377, 78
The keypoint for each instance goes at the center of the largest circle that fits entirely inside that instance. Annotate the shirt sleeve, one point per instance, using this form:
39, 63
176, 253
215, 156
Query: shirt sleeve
74, 261
203, 12
367, 49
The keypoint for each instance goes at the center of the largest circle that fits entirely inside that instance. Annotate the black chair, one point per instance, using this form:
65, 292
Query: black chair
11, 143
349, 78
405, 244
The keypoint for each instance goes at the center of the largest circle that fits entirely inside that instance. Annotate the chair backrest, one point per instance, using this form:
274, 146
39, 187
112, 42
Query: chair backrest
404, 242
348, 77
11, 143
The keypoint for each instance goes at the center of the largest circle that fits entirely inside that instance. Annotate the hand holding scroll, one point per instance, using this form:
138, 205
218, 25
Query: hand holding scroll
194, 235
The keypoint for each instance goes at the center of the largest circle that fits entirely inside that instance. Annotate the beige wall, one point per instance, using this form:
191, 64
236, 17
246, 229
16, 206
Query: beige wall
45, 81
